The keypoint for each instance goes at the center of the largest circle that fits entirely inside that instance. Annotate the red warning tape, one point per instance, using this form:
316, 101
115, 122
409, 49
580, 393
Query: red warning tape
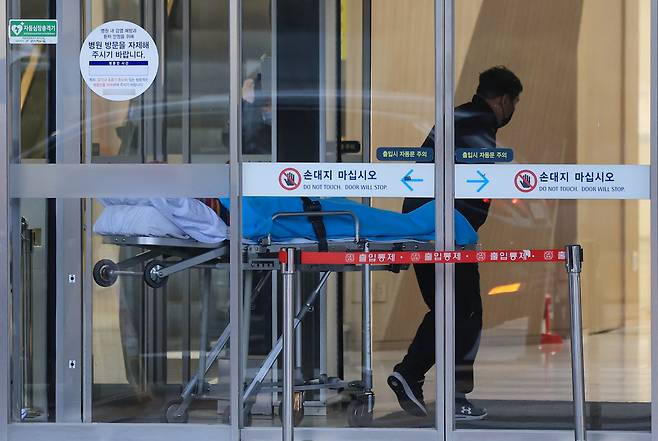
429, 257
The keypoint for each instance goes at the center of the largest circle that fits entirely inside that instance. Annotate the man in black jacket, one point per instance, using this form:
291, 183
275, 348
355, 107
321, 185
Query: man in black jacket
476, 124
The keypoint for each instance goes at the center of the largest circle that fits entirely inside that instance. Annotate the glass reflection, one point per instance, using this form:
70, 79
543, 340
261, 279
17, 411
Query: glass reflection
522, 369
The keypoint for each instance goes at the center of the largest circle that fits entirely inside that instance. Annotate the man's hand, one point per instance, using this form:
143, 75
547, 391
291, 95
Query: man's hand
249, 91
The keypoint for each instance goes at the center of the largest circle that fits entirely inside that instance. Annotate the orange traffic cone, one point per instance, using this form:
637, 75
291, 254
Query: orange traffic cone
549, 342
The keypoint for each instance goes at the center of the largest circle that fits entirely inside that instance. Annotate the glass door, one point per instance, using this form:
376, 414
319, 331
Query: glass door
325, 94
117, 154
551, 130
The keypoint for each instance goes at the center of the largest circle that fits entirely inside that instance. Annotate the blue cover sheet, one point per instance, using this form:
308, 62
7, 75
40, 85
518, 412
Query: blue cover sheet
376, 224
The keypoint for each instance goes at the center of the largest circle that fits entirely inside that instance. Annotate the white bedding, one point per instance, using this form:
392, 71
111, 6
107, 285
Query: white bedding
136, 220
161, 217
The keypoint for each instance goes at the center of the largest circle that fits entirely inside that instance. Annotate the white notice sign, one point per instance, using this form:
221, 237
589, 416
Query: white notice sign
331, 179
472, 181
552, 181
119, 60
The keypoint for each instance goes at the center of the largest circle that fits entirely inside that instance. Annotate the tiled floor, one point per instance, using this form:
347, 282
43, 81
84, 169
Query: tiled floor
617, 369
522, 386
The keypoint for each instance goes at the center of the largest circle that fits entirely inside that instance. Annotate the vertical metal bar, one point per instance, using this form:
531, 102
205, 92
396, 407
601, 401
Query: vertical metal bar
298, 330
148, 98
87, 314
574, 266
275, 84
366, 79
203, 344
14, 155
186, 79
160, 82
246, 316
185, 337
654, 219
5, 141
443, 194
330, 55
366, 331
87, 287
322, 153
235, 277
149, 337
288, 274
68, 394
323, 306
275, 325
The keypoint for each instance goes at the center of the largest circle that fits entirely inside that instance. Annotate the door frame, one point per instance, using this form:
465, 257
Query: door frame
444, 181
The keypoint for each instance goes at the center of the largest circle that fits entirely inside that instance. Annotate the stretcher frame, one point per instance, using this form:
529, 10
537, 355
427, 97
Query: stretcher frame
263, 256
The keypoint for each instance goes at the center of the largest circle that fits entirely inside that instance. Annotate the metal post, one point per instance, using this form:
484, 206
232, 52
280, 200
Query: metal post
235, 275
187, 311
288, 271
298, 330
444, 197
203, 349
246, 317
187, 80
574, 255
275, 326
366, 86
274, 91
366, 350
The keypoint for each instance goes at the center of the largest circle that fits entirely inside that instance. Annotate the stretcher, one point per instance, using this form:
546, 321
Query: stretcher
164, 256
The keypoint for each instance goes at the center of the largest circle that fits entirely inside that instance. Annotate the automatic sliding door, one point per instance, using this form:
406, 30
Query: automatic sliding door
585, 71
120, 302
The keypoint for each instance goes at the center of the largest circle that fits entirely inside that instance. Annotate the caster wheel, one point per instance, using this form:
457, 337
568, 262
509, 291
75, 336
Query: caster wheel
105, 273
226, 417
150, 276
358, 415
174, 414
297, 409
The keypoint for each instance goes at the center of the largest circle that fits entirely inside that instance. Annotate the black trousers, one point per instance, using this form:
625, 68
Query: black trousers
421, 354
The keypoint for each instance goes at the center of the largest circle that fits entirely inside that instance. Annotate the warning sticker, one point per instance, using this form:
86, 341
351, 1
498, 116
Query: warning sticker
290, 179
552, 181
525, 181
119, 60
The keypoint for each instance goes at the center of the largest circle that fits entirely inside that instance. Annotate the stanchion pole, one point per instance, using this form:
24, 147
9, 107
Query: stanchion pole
288, 271
574, 260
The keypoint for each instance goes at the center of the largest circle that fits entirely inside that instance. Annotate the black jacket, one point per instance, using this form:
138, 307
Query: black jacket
475, 127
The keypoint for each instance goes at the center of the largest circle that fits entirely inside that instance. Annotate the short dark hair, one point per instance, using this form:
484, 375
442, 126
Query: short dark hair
498, 81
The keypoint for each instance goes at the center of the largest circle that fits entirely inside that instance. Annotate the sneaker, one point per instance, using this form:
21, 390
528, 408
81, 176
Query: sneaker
410, 394
465, 410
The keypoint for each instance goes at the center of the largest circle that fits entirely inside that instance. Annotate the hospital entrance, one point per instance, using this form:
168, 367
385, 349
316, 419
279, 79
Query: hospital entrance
322, 219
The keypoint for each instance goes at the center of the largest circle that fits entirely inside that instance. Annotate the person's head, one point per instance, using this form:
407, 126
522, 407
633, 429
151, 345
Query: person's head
501, 89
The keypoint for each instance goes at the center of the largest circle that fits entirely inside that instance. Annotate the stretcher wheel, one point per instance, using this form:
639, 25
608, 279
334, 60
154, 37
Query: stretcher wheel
105, 273
174, 414
358, 414
150, 278
297, 409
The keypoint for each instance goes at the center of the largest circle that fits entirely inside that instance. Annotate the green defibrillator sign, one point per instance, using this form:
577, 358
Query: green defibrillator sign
32, 31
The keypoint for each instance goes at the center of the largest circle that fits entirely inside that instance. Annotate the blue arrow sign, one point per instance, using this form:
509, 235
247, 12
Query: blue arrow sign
484, 181
406, 179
